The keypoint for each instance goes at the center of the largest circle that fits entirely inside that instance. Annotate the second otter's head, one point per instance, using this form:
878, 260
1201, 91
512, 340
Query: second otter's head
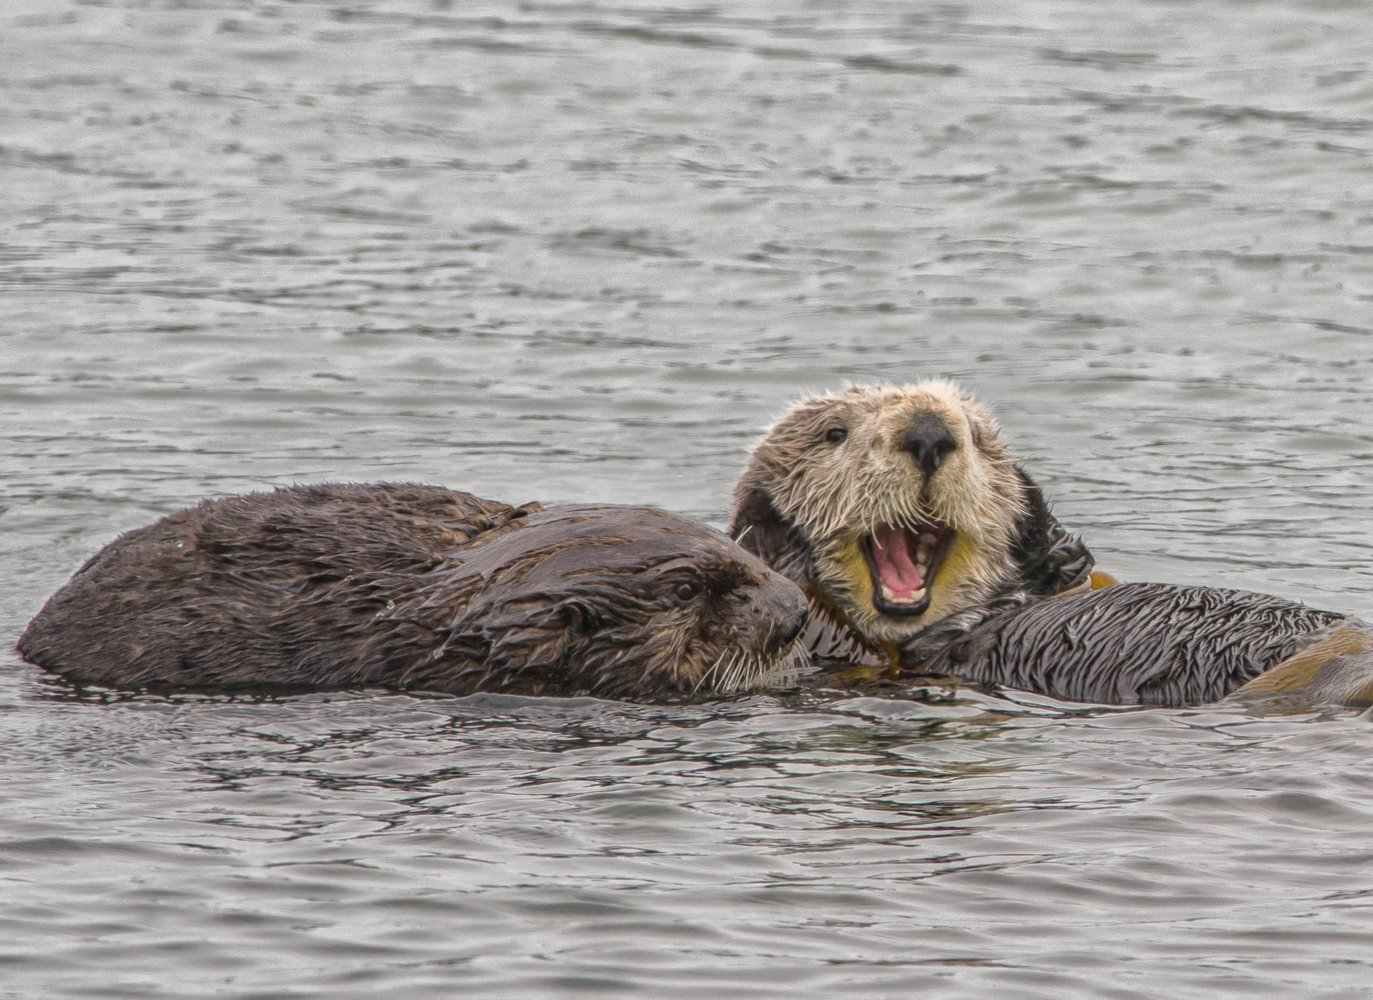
899, 507
629, 602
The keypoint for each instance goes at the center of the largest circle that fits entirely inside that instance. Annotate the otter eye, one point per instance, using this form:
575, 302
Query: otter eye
686, 590
836, 434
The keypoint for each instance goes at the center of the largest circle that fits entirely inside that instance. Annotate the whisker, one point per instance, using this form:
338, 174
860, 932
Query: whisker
705, 674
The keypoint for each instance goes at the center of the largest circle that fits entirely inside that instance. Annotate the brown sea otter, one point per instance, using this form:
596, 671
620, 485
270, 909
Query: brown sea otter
419, 588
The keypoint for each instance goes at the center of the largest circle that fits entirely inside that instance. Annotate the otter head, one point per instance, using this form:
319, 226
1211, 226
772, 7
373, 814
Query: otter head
897, 508
630, 602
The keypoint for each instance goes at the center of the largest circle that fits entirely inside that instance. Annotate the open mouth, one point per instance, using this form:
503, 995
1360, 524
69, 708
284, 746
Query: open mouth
903, 562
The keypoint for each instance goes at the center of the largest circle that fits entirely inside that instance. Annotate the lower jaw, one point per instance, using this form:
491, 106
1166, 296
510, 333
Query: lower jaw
895, 629
902, 611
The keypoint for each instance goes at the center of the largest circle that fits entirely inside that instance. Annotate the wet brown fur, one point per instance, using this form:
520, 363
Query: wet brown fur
418, 588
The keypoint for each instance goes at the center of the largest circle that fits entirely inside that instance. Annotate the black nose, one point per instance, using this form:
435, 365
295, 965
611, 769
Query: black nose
928, 440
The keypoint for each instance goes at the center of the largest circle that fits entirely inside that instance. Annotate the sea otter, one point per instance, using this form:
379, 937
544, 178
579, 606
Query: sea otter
897, 508
922, 544
415, 587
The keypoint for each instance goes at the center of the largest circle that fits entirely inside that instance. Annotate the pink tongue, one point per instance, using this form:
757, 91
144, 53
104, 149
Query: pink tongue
891, 552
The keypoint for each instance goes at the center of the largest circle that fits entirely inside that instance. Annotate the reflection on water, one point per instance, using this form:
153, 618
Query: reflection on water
586, 252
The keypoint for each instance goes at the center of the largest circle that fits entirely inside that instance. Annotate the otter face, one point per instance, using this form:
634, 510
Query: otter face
896, 506
633, 602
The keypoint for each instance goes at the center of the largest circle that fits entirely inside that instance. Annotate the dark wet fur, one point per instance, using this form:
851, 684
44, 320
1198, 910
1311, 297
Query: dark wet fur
1136, 643
409, 587
1049, 558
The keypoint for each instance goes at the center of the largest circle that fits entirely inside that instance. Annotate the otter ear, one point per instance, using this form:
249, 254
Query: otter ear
579, 617
1051, 558
757, 527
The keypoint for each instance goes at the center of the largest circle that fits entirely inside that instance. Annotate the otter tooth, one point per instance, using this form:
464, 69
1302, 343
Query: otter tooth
890, 597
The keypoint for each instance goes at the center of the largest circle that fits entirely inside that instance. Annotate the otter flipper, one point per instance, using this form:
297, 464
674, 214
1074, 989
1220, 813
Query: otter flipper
1335, 668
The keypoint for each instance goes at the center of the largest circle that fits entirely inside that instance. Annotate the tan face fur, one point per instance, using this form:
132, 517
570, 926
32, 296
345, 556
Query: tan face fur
922, 462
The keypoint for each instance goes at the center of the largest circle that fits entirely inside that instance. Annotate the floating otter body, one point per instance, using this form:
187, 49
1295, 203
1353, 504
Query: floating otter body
899, 508
419, 587
920, 542
1160, 644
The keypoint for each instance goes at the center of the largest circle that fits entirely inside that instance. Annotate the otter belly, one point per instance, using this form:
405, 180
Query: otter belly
1138, 643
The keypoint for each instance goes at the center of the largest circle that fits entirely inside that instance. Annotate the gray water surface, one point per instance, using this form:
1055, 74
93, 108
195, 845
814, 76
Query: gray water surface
586, 251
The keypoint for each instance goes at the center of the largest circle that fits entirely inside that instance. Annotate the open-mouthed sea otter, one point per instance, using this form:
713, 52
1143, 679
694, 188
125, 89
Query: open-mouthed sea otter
897, 508
921, 542
420, 588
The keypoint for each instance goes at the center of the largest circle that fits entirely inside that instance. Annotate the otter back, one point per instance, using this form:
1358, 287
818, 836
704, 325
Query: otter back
418, 587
